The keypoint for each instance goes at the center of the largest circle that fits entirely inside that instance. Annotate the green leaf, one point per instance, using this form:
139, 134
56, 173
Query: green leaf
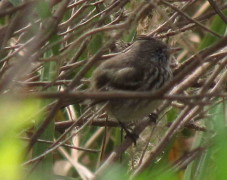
15, 115
157, 176
43, 9
212, 163
220, 144
22, 110
115, 172
16, 2
55, 48
96, 43
219, 27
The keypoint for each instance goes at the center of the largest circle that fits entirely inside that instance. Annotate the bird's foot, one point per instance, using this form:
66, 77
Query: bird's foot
129, 134
132, 136
153, 117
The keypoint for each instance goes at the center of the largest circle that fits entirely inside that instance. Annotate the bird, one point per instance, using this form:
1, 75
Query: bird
142, 67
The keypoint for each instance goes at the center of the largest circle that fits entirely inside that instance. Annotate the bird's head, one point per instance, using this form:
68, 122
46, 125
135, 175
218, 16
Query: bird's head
152, 49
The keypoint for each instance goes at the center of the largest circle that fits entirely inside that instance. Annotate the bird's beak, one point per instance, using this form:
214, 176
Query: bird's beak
173, 62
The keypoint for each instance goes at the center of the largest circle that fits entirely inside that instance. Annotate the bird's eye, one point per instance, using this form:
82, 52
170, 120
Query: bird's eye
159, 51
162, 55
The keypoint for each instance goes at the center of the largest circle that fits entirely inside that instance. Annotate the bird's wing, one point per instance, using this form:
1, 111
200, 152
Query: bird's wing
127, 78
142, 79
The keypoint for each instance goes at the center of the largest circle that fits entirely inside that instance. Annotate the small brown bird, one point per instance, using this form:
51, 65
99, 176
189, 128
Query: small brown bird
144, 66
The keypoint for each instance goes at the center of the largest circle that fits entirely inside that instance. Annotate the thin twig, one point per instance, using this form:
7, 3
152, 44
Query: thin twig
219, 12
190, 19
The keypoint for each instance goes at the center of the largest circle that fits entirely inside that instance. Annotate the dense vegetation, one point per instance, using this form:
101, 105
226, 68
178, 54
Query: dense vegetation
49, 50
